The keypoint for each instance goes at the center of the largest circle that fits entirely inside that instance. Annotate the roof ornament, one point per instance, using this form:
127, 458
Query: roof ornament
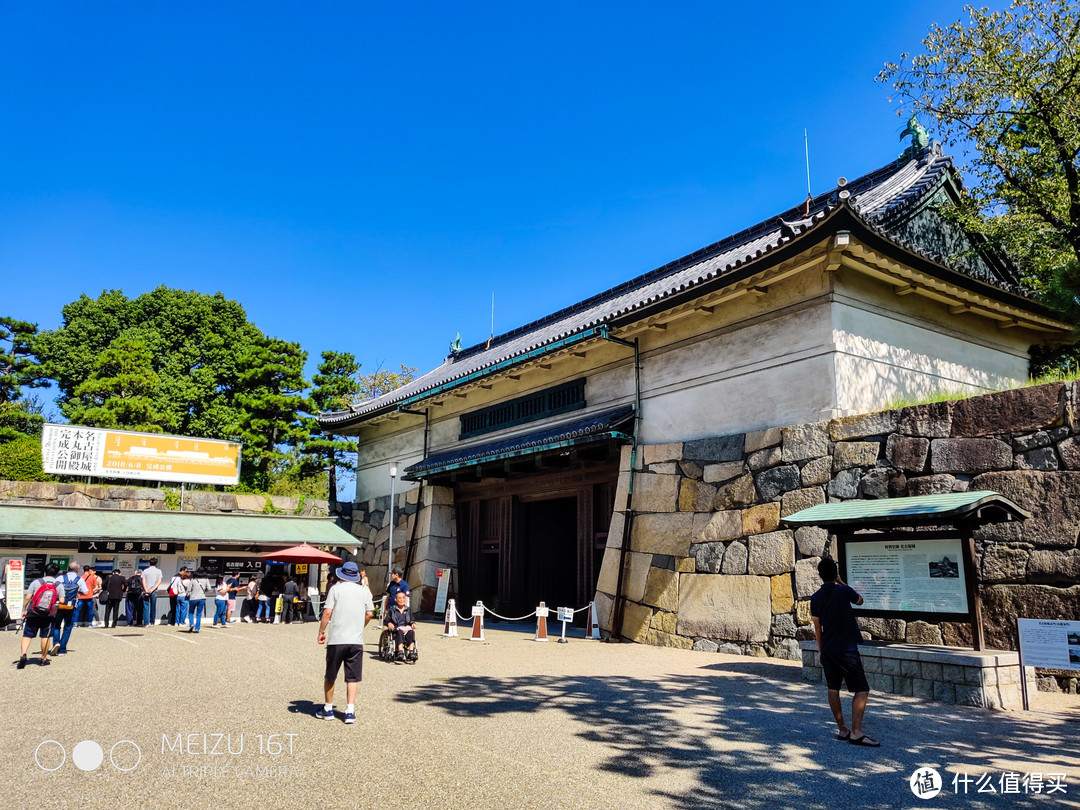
455, 346
919, 139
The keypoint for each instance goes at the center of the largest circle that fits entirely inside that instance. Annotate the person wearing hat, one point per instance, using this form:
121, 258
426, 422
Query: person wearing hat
348, 610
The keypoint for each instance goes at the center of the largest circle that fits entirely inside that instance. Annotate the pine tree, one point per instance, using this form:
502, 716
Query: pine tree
336, 387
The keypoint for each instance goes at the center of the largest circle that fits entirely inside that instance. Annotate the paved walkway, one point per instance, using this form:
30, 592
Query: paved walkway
505, 724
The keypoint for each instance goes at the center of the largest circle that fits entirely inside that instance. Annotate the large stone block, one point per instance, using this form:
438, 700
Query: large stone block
707, 557
608, 580
1069, 450
923, 633
805, 441
811, 540
930, 485
1042, 458
1054, 567
637, 574
907, 454
635, 623
1018, 410
875, 484
931, 421
669, 533
604, 607
658, 638
816, 472
772, 553
969, 455
691, 469
655, 453
845, 484
760, 519
719, 473
773, 483
760, 439
1002, 604
725, 525
616, 530
807, 580
436, 520
441, 550
740, 492
763, 459
868, 424
1053, 499
1004, 564
855, 454
715, 449
655, 493
695, 496
735, 608
886, 629
783, 600
735, 559
662, 589
800, 499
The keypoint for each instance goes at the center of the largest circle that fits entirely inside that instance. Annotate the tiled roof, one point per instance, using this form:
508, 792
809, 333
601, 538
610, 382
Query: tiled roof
916, 511
575, 431
879, 198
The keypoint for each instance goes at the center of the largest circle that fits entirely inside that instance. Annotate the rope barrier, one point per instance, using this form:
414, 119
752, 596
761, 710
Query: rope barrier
530, 615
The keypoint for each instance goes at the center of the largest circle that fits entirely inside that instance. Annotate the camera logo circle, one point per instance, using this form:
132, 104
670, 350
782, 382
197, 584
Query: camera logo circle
88, 755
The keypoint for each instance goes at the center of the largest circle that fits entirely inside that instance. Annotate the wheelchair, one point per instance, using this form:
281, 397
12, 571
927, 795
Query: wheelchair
387, 647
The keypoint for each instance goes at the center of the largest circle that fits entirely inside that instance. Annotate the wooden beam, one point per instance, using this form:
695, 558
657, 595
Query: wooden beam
706, 310
658, 327
1009, 324
544, 366
959, 309
907, 289
760, 292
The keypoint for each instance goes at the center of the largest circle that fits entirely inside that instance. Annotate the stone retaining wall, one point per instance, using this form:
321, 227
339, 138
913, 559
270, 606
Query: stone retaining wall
708, 565
48, 493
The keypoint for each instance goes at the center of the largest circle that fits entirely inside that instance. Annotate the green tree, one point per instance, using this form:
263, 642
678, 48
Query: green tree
270, 388
122, 389
19, 369
336, 386
195, 342
1005, 85
381, 382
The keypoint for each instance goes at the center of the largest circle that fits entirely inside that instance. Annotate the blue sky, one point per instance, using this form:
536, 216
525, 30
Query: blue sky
362, 177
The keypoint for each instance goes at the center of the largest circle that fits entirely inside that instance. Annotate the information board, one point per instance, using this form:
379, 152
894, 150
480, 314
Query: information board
102, 453
925, 576
35, 566
1050, 644
16, 586
443, 575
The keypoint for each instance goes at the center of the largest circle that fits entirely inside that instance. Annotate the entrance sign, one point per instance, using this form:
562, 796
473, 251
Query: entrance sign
443, 575
102, 453
565, 614
923, 576
1050, 644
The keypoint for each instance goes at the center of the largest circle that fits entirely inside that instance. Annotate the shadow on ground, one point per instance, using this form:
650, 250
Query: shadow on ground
754, 735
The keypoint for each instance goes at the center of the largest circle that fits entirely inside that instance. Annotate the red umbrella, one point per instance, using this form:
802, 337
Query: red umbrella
301, 554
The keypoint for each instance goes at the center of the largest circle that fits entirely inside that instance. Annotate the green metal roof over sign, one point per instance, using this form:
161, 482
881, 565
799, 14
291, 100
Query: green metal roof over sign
22, 522
981, 506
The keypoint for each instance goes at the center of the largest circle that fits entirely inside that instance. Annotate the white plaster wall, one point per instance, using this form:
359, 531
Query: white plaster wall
888, 350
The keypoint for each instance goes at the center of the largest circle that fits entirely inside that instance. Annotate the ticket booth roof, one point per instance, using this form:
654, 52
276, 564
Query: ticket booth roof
978, 507
26, 522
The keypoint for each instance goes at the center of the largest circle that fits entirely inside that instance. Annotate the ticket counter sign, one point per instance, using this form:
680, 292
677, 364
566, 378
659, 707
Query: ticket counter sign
98, 452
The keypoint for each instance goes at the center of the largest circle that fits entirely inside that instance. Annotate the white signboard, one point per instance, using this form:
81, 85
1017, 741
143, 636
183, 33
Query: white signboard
16, 587
566, 614
105, 453
478, 610
1050, 644
443, 575
908, 575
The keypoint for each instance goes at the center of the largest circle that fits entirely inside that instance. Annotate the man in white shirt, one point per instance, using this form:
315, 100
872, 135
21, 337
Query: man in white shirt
348, 610
151, 578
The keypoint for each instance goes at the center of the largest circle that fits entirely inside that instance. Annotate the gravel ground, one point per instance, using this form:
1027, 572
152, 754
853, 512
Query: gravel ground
507, 723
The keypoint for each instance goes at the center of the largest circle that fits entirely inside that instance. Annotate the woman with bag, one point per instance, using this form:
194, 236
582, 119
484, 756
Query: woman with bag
221, 602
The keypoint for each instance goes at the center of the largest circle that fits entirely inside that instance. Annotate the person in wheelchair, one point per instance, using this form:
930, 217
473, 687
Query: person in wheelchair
400, 622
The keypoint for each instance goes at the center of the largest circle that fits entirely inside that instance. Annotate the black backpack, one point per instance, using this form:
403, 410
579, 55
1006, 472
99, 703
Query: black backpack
134, 585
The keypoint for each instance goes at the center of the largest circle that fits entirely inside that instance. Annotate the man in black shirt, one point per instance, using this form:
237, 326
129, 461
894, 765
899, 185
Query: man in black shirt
838, 638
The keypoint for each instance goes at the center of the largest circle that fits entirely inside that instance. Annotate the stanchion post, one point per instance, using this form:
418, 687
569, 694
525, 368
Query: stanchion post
541, 622
450, 621
592, 629
477, 622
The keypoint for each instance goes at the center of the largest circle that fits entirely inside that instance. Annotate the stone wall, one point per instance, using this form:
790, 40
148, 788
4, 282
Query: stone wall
433, 539
708, 565
47, 493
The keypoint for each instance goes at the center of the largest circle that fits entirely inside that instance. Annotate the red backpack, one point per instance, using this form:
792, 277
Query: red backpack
44, 601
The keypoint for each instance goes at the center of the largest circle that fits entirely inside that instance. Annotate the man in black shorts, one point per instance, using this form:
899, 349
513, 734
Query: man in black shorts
348, 610
838, 638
